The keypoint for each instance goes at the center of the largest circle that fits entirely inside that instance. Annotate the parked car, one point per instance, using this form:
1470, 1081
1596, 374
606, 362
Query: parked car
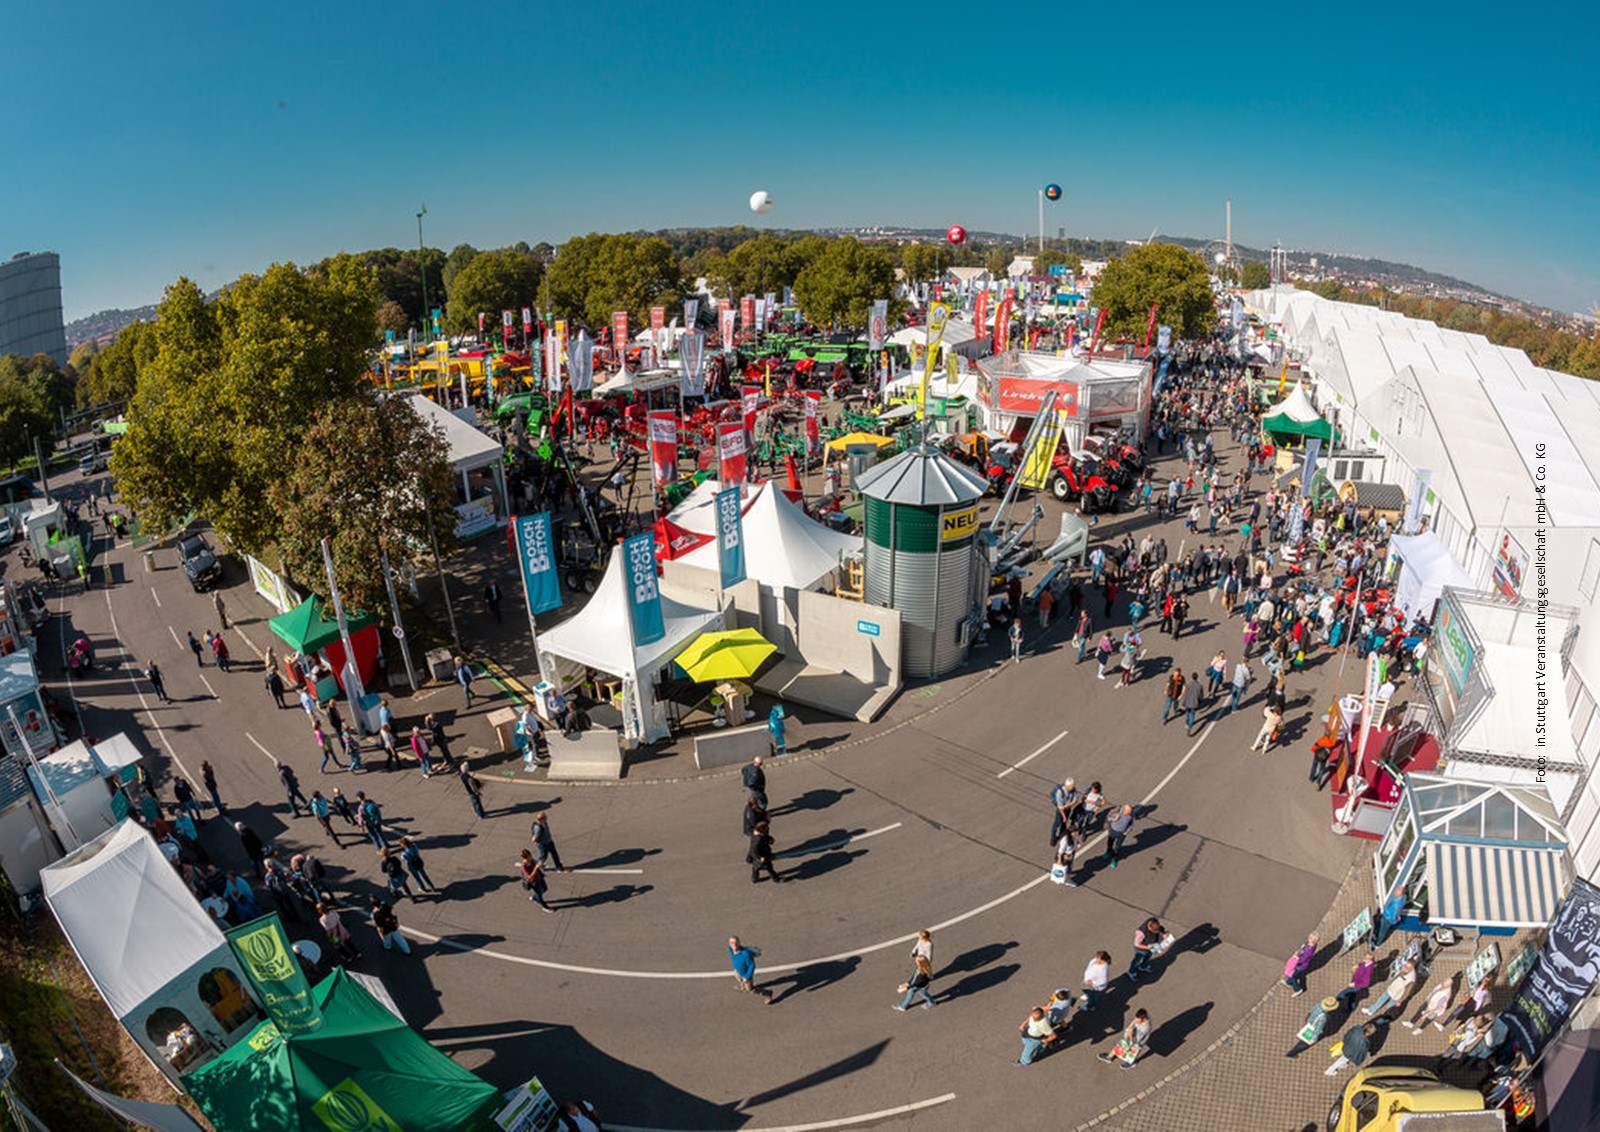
199, 562
1400, 1099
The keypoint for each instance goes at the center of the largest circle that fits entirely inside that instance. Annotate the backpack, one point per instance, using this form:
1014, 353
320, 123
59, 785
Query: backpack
1290, 966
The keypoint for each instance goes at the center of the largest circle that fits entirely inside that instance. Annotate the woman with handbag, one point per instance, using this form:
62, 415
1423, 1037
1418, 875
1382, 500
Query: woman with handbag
917, 985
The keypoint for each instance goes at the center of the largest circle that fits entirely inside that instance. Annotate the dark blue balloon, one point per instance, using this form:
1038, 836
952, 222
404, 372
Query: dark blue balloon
1052, 192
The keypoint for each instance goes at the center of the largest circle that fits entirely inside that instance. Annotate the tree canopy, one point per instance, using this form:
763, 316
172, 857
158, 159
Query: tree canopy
755, 267
1255, 276
113, 373
841, 283
594, 275
1165, 274
492, 282
28, 405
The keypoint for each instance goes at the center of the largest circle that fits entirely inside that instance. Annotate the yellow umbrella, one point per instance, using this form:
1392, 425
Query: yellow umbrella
839, 444
731, 655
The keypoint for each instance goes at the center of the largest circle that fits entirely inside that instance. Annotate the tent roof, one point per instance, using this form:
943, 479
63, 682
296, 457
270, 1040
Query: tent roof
1505, 726
361, 1058
1296, 407
17, 675
1427, 557
599, 635
923, 477
306, 630
77, 762
840, 443
128, 915
957, 332
469, 448
782, 548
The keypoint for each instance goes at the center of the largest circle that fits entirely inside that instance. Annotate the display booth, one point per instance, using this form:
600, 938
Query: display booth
157, 958
1425, 568
478, 461
363, 1068
78, 787
1090, 396
600, 637
1296, 418
1476, 855
22, 706
306, 630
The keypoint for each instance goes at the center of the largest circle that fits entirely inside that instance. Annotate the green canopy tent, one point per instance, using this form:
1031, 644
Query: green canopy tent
363, 1068
306, 630
1295, 415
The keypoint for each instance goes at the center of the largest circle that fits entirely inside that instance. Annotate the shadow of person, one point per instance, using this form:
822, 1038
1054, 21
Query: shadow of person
819, 866
975, 959
977, 982
813, 977
1169, 1036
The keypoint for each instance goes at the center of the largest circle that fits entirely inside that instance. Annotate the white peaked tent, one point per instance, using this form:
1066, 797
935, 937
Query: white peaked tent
600, 636
1426, 568
782, 548
1296, 407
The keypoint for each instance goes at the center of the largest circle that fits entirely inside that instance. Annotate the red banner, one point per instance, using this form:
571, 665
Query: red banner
750, 402
730, 453
663, 446
527, 325
1002, 326
480, 324
1099, 325
747, 313
1024, 396
813, 434
1150, 327
619, 337
980, 313
658, 318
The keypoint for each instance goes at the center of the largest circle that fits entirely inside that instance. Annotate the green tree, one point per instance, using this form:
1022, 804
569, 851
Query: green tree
367, 473
218, 414
1056, 257
113, 373
1165, 274
492, 282
840, 285
392, 316
594, 275
1256, 276
997, 260
23, 413
921, 262
766, 263
454, 264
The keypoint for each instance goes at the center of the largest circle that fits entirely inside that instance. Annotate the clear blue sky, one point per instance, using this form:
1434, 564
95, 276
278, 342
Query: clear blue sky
149, 141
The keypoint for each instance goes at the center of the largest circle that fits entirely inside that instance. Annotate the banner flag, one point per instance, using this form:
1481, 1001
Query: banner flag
552, 360
658, 337
725, 327
619, 338
1002, 325
527, 325
938, 317
730, 452
1419, 496
1099, 325
730, 537
772, 308
663, 427
541, 581
692, 356
263, 951
980, 313
1163, 339
750, 403
1150, 327
1313, 450
507, 320
813, 434
1562, 975
1041, 457
644, 594
747, 313
580, 357
480, 325
691, 313
878, 324
788, 296
1283, 375
761, 315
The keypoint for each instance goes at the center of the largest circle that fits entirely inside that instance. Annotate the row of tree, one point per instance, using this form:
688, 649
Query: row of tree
34, 392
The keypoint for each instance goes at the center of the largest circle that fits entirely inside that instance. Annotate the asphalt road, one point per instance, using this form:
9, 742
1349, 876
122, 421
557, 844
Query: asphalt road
624, 996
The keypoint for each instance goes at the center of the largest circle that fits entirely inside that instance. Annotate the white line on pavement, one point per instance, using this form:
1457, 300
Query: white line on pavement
133, 678
848, 839
898, 941
259, 747
1030, 758
617, 872
158, 601
817, 1126
209, 688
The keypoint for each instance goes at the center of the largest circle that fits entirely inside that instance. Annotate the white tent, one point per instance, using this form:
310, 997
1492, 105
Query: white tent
600, 636
1296, 407
960, 337
782, 548
470, 451
1426, 568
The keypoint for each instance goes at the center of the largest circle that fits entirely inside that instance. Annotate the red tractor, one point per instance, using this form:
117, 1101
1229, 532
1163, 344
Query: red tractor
1071, 479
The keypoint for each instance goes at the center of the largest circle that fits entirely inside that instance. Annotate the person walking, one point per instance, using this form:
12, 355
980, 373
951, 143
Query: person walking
1434, 1007
1116, 833
1190, 701
1355, 1047
1037, 1035
1241, 680
1271, 722
1216, 674
325, 747
196, 648
308, 704
755, 780
291, 788
1317, 1022
1096, 977
917, 986
387, 925
759, 855
1066, 853
533, 881
219, 649
1133, 1044
369, 816
1104, 650
152, 673
275, 688
335, 720
923, 946
1395, 994
394, 875
473, 787
1295, 970
1064, 802
1080, 635
743, 958
1174, 695
1145, 938
323, 812
352, 749
253, 846
464, 675
208, 779
341, 806
437, 738
391, 749
1015, 635
754, 814
1471, 1006
419, 748
183, 794
1360, 980
412, 858
338, 935
545, 844
491, 598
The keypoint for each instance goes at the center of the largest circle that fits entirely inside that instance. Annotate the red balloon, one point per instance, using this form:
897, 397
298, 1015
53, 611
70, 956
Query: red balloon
956, 234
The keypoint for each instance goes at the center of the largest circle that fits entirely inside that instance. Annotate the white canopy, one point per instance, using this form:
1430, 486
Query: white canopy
782, 548
634, 381
469, 448
1297, 407
1426, 568
127, 914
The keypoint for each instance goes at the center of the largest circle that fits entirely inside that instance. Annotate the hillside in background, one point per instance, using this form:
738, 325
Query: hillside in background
101, 324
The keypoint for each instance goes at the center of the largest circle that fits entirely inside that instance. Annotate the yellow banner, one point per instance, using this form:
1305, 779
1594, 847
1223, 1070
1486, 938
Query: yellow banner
1036, 468
938, 315
959, 524
1284, 375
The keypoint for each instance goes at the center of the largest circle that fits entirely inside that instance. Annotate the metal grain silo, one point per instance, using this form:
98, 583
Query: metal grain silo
921, 525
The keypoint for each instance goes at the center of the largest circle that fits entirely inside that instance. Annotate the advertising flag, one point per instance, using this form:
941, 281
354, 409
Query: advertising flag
1163, 339
725, 327
938, 318
552, 360
580, 357
619, 338
644, 594
1419, 496
1150, 327
1562, 975
788, 296
749, 403
1041, 457
437, 318
691, 313
1313, 450
772, 306
480, 326
761, 315
263, 951
663, 446
527, 325
730, 537
730, 452
1002, 325
980, 312
878, 324
541, 582
1099, 325
747, 313
658, 326
813, 434
692, 356
1236, 314
507, 320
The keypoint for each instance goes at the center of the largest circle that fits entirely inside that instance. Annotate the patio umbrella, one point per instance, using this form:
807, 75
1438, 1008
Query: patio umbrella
731, 655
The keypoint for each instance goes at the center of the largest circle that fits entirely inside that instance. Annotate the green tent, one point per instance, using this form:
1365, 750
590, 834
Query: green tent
305, 629
1296, 416
364, 1068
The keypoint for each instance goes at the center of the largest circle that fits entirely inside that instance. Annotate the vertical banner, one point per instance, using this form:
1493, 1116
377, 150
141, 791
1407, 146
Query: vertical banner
788, 296
1419, 496
1236, 314
813, 433
507, 320
1163, 339
527, 328
1377, 673
644, 594
1002, 325
730, 452
552, 360
663, 446
437, 319
541, 581
619, 338
772, 306
658, 333
761, 316
1313, 450
980, 313
691, 313
725, 328
1099, 325
730, 537
1563, 974
938, 319
747, 313
749, 404
692, 356
1040, 461
878, 324
1150, 327
480, 326
263, 951
580, 359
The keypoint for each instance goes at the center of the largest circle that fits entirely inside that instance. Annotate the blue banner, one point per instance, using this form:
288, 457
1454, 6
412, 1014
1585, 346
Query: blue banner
644, 595
536, 550
1163, 339
1161, 375
730, 537
1313, 448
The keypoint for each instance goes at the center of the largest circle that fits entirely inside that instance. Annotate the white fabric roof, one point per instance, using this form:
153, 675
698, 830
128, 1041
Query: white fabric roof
1297, 407
128, 915
1427, 569
601, 636
957, 332
469, 448
782, 548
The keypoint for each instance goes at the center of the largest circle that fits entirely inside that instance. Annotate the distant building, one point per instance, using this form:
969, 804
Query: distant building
30, 306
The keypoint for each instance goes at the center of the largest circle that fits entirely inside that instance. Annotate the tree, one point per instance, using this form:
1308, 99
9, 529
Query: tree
367, 473
492, 282
921, 262
1055, 257
392, 316
755, 267
454, 264
113, 373
1256, 276
218, 413
997, 261
594, 275
841, 284
23, 412
1156, 273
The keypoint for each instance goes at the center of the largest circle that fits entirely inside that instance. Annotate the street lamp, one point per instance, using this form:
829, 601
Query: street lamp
422, 266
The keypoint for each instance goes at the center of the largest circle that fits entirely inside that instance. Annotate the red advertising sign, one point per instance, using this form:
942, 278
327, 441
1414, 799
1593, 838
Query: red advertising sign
480, 324
1024, 396
747, 312
725, 327
813, 436
730, 453
750, 401
663, 446
1002, 326
1099, 325
980, 313
658, 318
1150, 328
619, 336
527, 323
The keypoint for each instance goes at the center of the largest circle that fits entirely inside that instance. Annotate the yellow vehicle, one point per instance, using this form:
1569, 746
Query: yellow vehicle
1393, 1098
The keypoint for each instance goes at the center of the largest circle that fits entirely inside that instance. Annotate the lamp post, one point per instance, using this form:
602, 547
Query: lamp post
422, 267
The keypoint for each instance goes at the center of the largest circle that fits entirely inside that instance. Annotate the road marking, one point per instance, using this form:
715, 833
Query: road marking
615, 872
816, 1126
898, 941
1030, 758
259, 747
849, 839
133, 679
209, 688
158, 599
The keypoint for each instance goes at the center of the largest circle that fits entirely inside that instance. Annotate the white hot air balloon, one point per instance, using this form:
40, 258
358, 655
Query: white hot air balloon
761, 201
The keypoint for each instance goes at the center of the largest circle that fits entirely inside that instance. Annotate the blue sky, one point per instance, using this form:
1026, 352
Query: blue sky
149, 141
